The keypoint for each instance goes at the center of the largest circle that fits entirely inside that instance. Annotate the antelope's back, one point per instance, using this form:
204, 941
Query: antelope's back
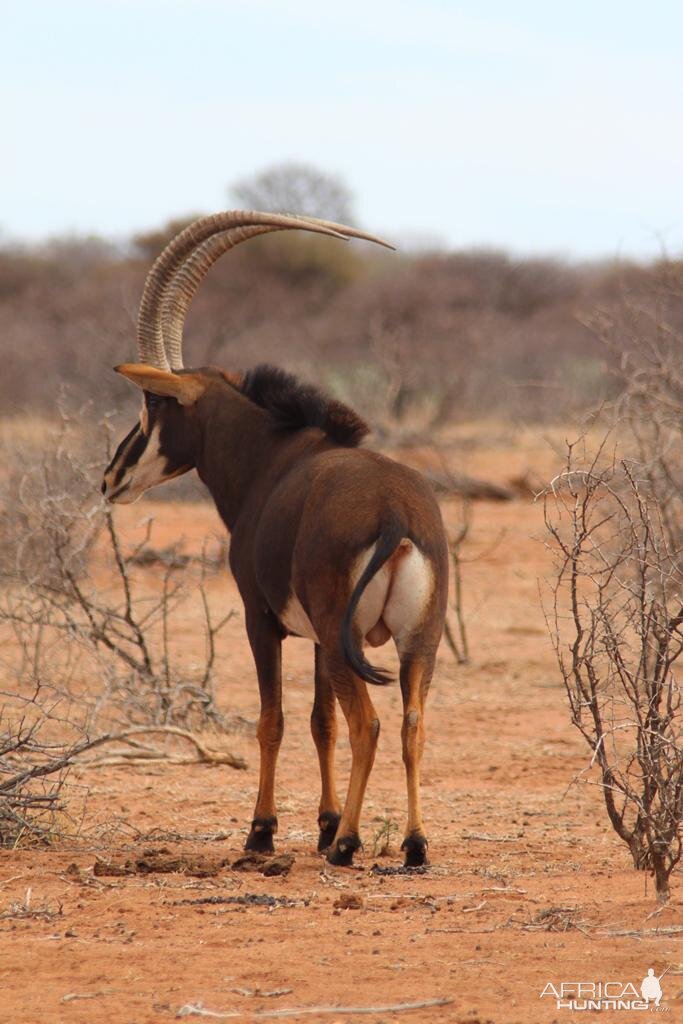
330, 509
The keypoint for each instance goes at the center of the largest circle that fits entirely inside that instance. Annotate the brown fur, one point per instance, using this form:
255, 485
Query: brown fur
302, 503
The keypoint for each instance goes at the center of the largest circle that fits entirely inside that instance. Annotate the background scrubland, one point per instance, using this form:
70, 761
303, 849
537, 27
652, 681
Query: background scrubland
128, 759
442, 335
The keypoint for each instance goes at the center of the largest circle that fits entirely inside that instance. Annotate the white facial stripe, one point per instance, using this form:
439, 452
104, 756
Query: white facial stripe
150, 469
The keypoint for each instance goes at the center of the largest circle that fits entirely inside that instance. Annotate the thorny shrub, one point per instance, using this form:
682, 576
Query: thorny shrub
86, 626
616, 623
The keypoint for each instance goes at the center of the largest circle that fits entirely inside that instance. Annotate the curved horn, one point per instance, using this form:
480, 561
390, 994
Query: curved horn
183, 288
179, 293
347, 232
149, 328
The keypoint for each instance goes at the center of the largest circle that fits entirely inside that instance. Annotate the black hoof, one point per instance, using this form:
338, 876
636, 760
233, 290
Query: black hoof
260, 839
328, 823
341, 853
415, 849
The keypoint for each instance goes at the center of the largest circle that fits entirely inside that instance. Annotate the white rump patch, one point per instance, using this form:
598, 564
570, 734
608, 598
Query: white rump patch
394, 602
412, 586
398, 594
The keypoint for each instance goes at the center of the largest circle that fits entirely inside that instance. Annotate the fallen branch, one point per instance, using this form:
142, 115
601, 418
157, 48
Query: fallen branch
672, 929
446, 484
17, 802
197, 1010
150, 754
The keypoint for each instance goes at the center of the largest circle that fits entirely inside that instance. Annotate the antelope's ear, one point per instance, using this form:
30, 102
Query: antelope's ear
185, 387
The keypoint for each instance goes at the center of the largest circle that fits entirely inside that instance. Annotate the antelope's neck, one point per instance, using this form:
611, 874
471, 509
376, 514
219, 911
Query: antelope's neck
236, 450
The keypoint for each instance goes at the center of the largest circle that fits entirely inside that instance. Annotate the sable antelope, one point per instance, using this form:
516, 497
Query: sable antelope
328, 540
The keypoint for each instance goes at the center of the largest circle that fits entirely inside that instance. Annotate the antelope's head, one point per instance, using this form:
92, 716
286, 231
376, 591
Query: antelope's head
164, 442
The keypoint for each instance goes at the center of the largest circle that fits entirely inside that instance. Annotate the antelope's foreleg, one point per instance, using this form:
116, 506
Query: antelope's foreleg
266, 647
416, 675
324, 730
363, 724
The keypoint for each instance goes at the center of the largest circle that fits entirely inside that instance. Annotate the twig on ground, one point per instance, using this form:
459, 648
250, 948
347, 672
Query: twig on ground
461, 931
672, 929
471, 910
71, 996
504, 890
198, 1010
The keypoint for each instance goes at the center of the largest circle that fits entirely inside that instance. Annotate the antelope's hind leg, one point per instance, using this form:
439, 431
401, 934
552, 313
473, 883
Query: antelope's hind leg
324, 731
416, 674
363, 724
266, 646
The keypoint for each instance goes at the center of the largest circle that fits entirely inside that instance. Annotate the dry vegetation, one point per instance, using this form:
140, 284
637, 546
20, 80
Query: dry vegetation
88, 626
113, 632
614, 517
432, 336
617, 627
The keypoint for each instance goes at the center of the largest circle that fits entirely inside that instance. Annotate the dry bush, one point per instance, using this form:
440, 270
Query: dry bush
616, 622
616, 531
52, 517
432, 337
37, 745
645, 339
438, 338
50, 507
66, 329
87, 627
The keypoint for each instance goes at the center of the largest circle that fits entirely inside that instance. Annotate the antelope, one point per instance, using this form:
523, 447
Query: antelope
329, 541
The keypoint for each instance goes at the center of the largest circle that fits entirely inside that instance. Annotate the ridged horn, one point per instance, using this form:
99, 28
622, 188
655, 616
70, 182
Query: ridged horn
149, 328
181, 289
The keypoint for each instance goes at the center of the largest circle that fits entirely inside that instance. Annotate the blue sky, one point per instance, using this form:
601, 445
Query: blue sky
539, 127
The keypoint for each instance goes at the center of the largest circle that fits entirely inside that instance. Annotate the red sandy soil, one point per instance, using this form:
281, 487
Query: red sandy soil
547, 895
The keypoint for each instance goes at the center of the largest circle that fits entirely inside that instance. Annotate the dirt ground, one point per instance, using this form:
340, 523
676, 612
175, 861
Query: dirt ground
527, 885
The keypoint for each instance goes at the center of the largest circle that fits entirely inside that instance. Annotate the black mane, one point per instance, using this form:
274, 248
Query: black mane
294, 405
